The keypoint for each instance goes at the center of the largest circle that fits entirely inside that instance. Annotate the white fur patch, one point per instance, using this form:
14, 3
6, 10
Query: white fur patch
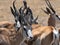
24, 26
55, 32
59, 16
18, 24
30, 33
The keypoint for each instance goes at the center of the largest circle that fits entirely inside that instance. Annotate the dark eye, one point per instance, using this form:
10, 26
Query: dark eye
15, 20
25, 31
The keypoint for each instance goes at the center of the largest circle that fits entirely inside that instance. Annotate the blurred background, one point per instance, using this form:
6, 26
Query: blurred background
35, 5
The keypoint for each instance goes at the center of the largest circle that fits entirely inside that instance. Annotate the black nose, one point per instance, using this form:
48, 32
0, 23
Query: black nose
31, 38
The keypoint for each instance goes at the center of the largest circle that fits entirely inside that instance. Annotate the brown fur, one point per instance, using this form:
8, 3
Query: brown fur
43, 34
51, 21
14, 37
6, 24
4, 40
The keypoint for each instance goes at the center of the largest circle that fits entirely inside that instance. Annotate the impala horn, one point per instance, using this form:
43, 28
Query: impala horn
50, 6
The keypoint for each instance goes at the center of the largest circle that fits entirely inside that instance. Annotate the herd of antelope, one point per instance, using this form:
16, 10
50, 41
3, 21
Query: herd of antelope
26, 30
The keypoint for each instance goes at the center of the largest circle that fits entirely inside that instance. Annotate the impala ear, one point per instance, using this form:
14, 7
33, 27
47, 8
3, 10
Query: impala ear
35, 20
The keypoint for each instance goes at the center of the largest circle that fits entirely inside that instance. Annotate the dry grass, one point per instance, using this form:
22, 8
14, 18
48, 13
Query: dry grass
35, 5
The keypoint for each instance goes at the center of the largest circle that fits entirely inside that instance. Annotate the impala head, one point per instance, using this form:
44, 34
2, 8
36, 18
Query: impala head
26, 27
21, 21
16, 16
50, 10
28, 31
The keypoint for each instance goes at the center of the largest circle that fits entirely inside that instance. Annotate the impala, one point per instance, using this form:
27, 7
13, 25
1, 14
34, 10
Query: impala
26, 30
53, 17
41, 30
53, 14
41, 35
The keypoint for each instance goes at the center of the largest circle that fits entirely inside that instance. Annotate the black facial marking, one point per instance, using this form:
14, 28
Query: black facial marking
57, 17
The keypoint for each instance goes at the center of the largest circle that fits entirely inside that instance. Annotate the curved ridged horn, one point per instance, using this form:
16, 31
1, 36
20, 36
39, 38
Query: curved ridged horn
25, 5
16, 12
48, 10
12, 11
50, 6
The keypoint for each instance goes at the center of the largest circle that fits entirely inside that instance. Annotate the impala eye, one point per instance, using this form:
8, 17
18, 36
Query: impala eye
15, 20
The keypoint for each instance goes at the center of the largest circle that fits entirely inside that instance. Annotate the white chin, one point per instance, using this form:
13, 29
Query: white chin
30, 33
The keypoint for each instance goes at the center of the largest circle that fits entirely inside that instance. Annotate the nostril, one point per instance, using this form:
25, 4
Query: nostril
31, 38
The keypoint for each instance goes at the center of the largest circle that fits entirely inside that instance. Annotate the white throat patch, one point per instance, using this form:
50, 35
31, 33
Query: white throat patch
55, 32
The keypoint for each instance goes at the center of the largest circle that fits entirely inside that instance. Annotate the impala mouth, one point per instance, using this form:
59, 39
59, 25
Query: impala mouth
30, 35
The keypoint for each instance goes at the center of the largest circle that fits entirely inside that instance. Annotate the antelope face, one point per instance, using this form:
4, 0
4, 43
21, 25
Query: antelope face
21, 21
28, 30
17, 23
